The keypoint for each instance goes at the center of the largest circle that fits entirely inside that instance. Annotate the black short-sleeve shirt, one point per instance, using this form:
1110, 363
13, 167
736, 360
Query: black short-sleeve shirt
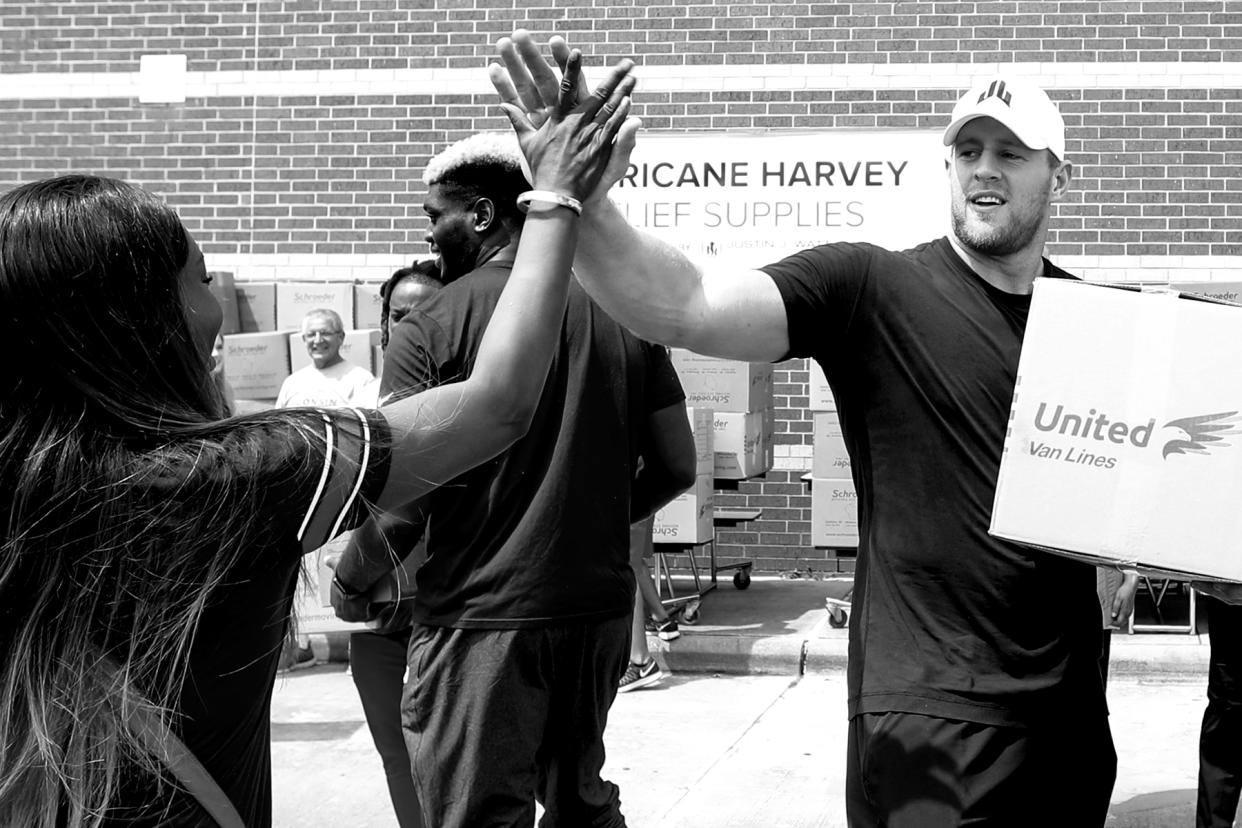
539, 535
922, 355
305, 495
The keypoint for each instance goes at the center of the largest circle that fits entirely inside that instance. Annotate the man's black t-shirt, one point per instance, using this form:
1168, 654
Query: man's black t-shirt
922, 354
223, 716
539, 535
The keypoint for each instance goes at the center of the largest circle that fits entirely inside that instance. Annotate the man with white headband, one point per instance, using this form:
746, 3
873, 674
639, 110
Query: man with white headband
971, 700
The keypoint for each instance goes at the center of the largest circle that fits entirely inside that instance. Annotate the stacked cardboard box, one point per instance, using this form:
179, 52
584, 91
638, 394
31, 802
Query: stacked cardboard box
255, 364
834, 501
688, 518
295, 299
256, 307
744, 422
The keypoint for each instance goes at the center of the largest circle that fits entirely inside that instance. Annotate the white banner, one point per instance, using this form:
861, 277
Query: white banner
757, 197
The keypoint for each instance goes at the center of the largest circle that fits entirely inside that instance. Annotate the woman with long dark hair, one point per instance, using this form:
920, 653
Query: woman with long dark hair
150, 548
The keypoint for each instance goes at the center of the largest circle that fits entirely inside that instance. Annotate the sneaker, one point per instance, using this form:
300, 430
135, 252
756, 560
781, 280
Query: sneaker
667, 630
638, 676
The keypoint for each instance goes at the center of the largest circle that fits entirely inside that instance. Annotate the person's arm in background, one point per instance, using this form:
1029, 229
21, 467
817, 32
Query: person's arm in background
668, 462
667, 443
1227, 591
374, 550
1123, 601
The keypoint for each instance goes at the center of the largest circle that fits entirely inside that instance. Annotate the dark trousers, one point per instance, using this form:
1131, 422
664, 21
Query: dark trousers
1220, 739
910, 771
495, 719
377, 663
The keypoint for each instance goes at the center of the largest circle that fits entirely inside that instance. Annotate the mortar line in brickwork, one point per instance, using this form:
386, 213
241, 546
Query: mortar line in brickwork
654, 78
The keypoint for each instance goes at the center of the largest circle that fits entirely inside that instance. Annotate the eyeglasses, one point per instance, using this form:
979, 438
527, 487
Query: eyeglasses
311, 336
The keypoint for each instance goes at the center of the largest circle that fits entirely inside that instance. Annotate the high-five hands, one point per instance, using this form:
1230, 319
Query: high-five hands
566, 133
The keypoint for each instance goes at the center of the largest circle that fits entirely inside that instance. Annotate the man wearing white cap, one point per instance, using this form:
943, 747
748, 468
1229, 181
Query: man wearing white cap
971, 698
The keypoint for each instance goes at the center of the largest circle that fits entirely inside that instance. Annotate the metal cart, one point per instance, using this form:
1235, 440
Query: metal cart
686, 607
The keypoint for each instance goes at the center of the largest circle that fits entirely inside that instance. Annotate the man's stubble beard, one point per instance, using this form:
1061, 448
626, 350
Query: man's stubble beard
994, 241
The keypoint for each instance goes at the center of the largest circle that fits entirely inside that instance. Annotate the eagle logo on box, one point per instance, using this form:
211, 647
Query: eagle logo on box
1202, 433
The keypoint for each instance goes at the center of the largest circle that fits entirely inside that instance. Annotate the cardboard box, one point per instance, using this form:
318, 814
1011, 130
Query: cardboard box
829, 457
723, 384
688, 518
368, 304
820, 391
1220, 291
834, 512
256, 364
226, 294
743, 443
701, 426
359, 348
295, 299
256, 306
1125, 438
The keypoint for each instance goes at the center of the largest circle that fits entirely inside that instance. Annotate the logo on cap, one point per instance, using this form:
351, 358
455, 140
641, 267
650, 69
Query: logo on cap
996, 90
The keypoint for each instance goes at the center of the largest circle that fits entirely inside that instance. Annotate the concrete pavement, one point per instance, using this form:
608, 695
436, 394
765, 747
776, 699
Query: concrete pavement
720, 750
748, 727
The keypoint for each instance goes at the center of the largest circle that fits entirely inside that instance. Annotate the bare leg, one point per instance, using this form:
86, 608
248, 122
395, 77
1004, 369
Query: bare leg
639, 653
640, 546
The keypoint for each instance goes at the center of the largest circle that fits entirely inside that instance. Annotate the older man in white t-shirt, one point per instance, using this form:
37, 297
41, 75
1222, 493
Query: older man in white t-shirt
330, 381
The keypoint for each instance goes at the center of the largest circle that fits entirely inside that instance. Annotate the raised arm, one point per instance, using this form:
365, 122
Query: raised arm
643, 283
447, 430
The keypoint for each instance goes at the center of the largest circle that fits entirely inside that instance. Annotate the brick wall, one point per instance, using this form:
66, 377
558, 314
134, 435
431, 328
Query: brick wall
387, 34
300, 145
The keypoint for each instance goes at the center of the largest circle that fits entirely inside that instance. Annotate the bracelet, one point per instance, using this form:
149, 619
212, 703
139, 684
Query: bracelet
548, 197
345, 591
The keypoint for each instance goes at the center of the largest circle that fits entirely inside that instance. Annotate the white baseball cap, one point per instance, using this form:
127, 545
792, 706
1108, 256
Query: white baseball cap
1024, 108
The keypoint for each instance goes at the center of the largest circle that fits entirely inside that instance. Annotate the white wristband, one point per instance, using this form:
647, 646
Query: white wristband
548, 197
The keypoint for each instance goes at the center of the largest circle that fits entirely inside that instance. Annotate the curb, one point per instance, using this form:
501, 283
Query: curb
730, 653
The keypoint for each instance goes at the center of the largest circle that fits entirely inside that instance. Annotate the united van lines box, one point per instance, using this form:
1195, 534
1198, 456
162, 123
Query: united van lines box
723, 384
256, 306
368, 304
834, 512
358, 348
829, 457
1125, 438
743, 443
256, 363
294, 299
821, 392
688, 518
701, 427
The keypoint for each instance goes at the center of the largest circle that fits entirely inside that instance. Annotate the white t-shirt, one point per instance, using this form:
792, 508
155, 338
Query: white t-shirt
339, 385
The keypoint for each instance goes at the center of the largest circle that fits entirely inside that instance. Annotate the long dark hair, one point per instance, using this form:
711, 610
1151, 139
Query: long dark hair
123, 505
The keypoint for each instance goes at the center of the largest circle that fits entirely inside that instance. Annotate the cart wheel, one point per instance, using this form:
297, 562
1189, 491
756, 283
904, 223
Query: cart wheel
837, 620
690, 614
741, 579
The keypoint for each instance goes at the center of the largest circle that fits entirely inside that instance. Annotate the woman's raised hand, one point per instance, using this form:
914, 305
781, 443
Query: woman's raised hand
574, 142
